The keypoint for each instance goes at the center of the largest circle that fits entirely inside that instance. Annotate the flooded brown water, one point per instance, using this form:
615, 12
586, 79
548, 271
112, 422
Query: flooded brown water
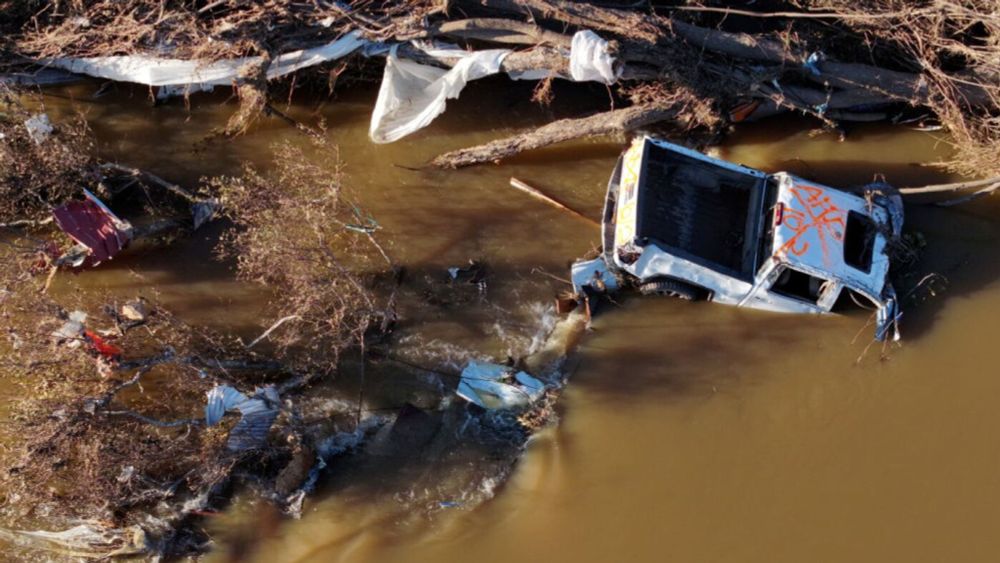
688, 432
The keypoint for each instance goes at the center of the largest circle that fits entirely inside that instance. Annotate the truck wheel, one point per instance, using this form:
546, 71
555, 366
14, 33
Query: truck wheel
672, 288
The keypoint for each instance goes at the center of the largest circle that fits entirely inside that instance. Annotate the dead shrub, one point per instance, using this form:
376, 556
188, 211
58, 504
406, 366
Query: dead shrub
955, 46
89, 436
297, 234
36, 175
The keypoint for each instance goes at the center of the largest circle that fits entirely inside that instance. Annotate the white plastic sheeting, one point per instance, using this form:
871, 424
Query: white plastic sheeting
590, 59
413, 94
196, 75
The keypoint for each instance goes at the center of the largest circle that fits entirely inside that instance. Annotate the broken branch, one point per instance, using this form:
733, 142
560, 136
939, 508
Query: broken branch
537, 194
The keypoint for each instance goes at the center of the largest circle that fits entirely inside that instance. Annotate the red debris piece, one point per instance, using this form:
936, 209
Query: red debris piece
102, 346
90, 223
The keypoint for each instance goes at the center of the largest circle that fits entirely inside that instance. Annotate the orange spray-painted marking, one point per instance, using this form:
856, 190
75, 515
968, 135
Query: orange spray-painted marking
815, 213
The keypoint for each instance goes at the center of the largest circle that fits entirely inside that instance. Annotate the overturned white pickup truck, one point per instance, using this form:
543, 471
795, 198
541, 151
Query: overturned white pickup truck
679, 223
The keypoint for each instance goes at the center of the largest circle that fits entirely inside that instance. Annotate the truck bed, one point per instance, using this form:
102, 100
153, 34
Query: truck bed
699, 208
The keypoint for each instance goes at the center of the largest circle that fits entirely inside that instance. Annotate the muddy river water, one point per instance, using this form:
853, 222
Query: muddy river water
688, 432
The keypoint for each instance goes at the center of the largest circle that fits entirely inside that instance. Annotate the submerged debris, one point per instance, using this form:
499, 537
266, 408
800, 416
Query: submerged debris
135, 310
493, 386
39, 128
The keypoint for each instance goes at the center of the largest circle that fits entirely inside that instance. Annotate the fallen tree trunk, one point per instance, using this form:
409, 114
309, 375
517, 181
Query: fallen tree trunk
622, 22
608, 123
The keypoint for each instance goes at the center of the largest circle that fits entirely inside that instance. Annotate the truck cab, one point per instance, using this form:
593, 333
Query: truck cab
680, 223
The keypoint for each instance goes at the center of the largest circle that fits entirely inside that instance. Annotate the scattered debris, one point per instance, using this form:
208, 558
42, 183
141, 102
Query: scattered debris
39, 77
101, 346
39, 128
73, 333
683, 224
70, 333
591, 59
413, 94
91, 224
474, 273
135, 310
493, 386
595, 275
566, 301
203, 212
179, 77
412, 430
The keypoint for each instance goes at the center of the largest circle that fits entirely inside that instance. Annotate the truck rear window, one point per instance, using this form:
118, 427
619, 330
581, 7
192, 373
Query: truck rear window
859, 241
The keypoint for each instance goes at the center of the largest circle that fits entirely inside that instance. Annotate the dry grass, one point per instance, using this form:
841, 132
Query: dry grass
200, 29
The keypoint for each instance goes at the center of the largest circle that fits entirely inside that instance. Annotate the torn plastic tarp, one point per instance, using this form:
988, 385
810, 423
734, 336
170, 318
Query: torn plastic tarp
590, 59
413, 94
194, 75
90, 223
483, 384
257, 414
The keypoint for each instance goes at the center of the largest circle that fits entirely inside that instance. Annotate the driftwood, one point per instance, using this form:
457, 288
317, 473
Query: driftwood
953, 187
982, 188
607, 123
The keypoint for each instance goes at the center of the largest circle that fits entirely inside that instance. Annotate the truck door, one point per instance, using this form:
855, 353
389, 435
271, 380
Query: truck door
780, 287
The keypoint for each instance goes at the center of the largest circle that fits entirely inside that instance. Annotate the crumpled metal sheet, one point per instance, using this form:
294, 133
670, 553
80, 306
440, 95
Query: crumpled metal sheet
221, 398
484, 384
258, 413
90, 223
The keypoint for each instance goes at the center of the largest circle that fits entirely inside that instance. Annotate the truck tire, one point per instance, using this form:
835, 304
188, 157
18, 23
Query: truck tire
672, 288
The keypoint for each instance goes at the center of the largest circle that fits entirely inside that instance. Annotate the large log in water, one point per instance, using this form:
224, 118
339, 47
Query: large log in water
608, 123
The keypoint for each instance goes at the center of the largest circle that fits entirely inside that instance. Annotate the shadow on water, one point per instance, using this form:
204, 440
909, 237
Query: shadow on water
961, 247
678, 350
